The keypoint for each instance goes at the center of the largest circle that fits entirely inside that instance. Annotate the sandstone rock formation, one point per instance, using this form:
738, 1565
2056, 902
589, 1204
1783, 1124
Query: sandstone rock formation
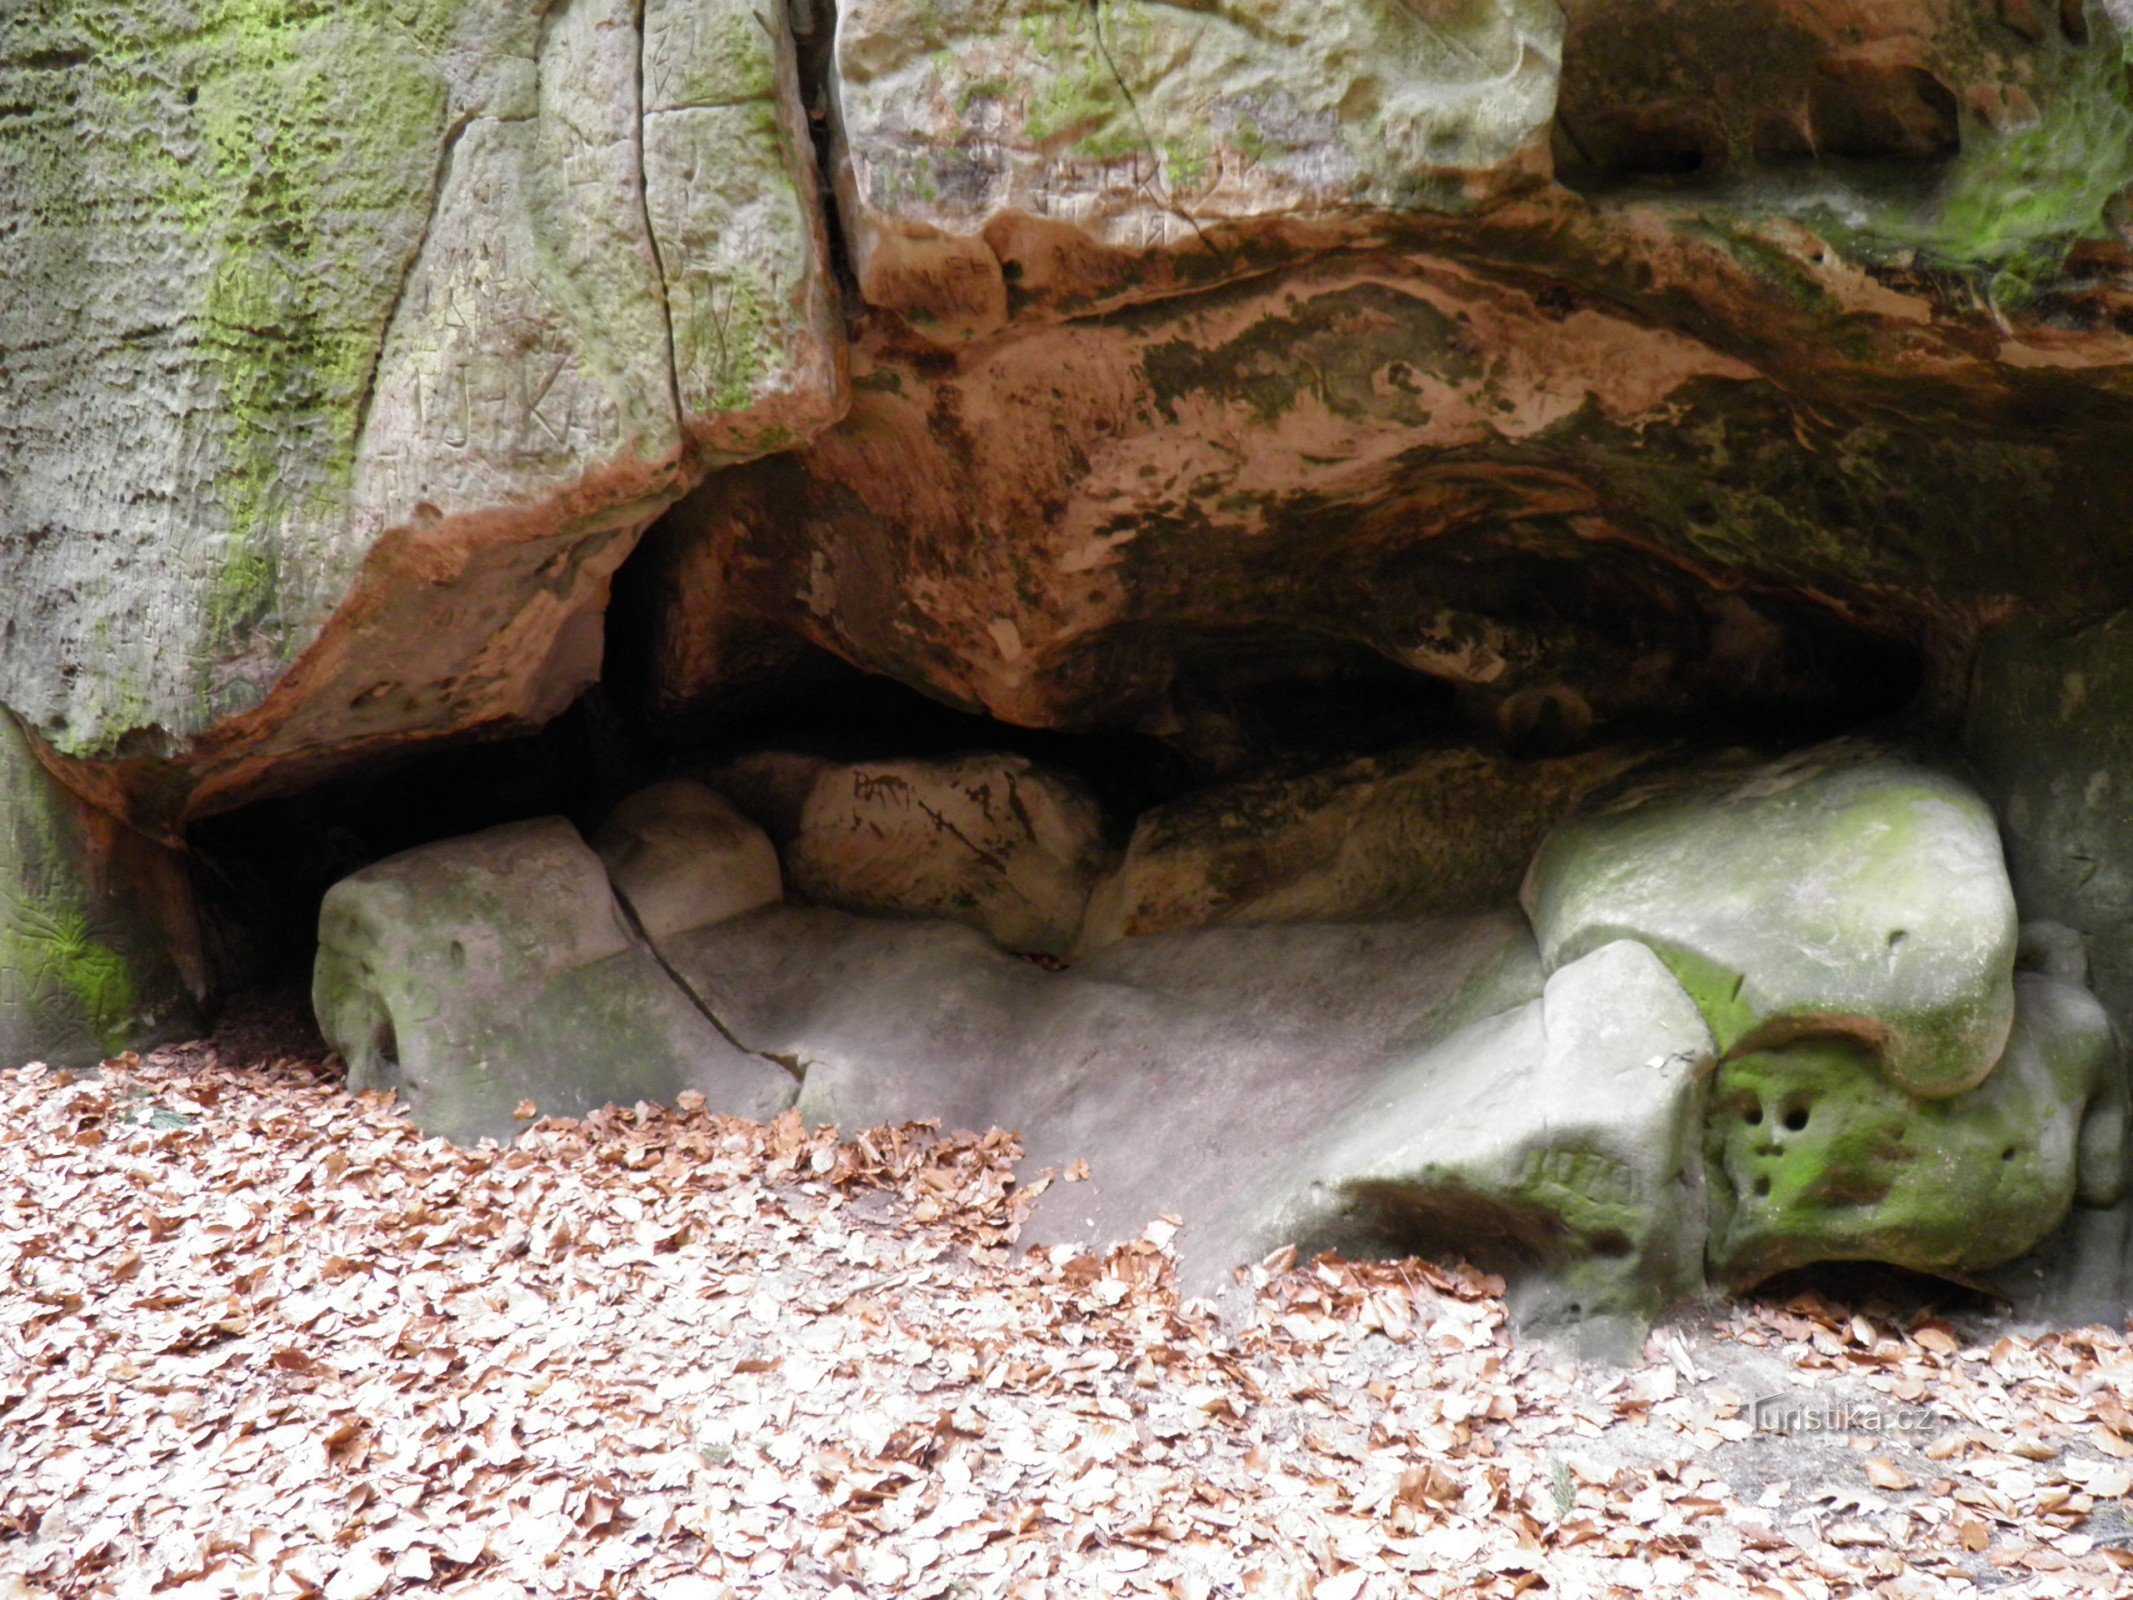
1687, 440
1826, 1159
1061, 157
681, 855
1682, 1095
1206, 406
1559, 1141
2048, 732
1844, 891
2051, 731
342, 369
98, 949
1416, 833
987, 840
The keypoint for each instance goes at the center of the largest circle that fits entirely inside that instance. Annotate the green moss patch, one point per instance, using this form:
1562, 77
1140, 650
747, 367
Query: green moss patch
2017, 199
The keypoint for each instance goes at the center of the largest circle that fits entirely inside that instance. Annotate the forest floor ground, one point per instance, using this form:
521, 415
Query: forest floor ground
258, 1337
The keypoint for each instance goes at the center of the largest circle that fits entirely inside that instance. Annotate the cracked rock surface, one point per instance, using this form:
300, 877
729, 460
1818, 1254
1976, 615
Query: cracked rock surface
314, 313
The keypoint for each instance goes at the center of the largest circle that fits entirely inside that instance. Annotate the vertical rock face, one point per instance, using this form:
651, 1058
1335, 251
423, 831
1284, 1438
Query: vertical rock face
98, 952
313, 307
730, 191
2051, 730
1068, 155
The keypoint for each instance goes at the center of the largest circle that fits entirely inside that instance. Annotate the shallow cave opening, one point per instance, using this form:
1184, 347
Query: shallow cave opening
1235, 702
263, 869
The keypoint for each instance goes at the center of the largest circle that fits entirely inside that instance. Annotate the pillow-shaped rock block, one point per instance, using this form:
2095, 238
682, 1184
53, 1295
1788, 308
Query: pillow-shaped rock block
99, 949
1814, 1155
1002, 153
1559, 1143
680, 855
986, 840
1429, 832
472, 975
1846, 889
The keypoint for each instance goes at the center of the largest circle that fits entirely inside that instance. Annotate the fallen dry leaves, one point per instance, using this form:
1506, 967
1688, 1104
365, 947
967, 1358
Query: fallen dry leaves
258, 1337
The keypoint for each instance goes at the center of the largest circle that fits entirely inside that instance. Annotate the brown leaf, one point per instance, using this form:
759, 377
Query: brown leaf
1884, 1475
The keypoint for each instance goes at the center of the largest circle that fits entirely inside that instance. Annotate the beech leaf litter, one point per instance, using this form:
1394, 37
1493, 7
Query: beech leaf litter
259, 1337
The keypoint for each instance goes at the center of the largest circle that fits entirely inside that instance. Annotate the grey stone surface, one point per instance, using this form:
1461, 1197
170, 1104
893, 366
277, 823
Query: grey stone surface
475, 974
1190, 1069
1398, 1085
1080, 153
680, 855
730, 197
1847, 890
1560, 1143
2051, 731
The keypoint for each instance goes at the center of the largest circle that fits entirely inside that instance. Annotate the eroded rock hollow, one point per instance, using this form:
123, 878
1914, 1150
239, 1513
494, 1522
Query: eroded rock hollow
1493, 627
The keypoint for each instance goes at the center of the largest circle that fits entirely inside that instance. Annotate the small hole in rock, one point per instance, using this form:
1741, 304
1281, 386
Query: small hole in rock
1796, 1119
2008, 1154
1762, 1187
458, 954
1753, 1116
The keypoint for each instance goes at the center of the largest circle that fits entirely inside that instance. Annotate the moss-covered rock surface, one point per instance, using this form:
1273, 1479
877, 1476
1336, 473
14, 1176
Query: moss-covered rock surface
1844, 891
303, 299
1817, 1156
98, 949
